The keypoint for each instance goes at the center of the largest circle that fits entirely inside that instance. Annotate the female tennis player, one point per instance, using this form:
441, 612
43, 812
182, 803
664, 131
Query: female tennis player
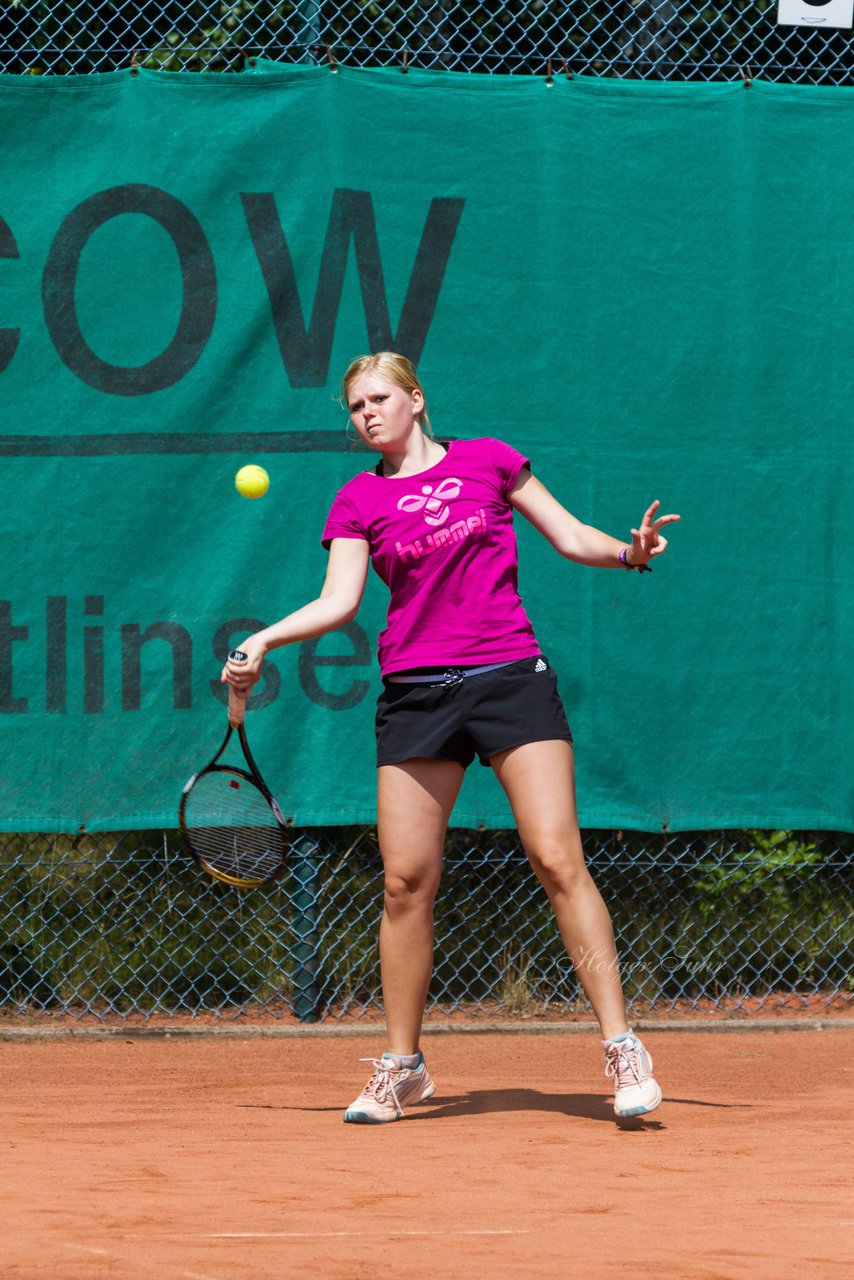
463, 676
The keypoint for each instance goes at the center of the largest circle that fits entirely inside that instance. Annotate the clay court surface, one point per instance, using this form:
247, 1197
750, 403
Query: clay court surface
226, 1159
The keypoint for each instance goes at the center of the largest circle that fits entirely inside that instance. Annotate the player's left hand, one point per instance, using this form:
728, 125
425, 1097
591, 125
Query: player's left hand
647, 540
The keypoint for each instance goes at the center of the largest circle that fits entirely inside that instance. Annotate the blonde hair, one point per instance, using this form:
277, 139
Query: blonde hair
392, 368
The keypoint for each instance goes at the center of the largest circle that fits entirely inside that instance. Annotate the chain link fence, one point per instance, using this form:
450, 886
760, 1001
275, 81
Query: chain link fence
646, 38
106, 927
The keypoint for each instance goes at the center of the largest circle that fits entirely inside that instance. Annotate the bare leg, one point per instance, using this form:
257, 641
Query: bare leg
414, 804
539, 779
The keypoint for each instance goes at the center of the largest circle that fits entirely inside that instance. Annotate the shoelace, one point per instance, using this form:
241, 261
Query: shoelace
380, 1085
622, 1061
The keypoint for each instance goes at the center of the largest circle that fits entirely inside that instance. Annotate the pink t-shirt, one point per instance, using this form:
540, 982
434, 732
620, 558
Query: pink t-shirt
444, 544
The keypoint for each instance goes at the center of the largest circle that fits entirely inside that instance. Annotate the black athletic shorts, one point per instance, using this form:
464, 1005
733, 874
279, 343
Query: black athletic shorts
463, 716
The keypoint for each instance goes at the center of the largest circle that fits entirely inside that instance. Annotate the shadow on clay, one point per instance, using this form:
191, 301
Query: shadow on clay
588, 1106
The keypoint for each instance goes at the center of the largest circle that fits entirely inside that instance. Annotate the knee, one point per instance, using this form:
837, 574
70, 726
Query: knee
559, 865
410, 892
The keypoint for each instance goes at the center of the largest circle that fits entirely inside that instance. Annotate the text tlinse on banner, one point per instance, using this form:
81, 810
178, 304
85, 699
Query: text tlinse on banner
88, 665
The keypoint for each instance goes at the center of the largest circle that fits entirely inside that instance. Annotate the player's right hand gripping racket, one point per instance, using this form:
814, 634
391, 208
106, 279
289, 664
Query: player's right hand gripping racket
230, 822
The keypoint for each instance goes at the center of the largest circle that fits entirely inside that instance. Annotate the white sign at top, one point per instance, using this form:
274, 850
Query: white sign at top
815, 13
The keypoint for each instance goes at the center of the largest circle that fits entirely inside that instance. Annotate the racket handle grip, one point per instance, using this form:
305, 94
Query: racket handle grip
236, 704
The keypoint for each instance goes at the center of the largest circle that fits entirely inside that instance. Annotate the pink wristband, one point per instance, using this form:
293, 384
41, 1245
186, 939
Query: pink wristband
623, 558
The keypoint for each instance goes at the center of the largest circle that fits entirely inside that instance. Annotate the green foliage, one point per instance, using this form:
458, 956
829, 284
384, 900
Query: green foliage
130, 931
772, 912
768, 872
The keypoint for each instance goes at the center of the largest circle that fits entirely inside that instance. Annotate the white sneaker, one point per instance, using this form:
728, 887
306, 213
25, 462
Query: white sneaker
391, 1085
635, 1090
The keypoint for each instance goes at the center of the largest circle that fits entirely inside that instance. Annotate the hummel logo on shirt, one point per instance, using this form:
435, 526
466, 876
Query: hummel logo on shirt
436, 509
442, 539
541, 666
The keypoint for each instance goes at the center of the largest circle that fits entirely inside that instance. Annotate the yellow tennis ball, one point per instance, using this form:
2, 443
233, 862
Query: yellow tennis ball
252, 481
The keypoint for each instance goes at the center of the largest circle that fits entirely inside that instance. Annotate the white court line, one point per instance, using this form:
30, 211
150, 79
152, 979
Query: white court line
349, 1235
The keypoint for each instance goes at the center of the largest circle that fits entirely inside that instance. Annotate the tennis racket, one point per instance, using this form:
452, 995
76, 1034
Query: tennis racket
230, 822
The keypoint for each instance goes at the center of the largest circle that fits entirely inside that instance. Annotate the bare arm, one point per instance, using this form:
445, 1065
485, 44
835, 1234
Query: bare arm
338, 602
582, 542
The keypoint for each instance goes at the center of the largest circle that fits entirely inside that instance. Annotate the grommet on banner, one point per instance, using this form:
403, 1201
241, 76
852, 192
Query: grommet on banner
134, 62
744, 72
331, 56
549, 74
405, 67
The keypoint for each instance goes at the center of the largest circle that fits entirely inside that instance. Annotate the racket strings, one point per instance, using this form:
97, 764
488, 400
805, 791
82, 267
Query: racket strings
231, 828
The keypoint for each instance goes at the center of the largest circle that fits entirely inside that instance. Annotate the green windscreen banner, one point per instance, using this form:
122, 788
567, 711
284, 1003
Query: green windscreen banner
648, 288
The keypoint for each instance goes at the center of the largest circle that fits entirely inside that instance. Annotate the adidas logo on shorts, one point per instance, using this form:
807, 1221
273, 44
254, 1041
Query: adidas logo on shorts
541, 666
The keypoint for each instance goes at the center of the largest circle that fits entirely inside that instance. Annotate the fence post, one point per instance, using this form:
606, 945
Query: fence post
306, 890
308, 31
